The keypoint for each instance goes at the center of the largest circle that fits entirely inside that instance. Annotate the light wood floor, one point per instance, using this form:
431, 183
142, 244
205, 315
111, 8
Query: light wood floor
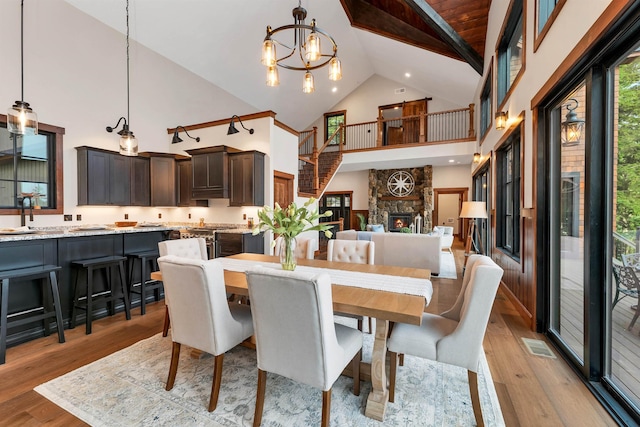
533, 390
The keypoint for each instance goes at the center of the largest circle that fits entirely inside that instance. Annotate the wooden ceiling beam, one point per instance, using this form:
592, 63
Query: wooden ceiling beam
444, 30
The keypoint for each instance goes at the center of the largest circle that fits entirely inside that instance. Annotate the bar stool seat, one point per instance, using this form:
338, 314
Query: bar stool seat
146, 259
47, 274
85, 295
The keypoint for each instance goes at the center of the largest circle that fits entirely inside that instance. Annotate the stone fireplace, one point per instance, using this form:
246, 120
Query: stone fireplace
385, 208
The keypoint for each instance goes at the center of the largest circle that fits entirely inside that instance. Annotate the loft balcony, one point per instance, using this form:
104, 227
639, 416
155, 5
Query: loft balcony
419, 138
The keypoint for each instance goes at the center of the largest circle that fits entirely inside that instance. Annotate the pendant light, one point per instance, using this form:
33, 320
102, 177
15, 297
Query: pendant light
21, 119
128, 142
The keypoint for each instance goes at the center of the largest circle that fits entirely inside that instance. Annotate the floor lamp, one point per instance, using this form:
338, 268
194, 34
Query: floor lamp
473, 211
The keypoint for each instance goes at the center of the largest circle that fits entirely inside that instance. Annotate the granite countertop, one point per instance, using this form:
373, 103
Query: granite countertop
35, 233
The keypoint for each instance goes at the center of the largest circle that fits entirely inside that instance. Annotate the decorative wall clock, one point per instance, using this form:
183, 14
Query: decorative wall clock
400, 184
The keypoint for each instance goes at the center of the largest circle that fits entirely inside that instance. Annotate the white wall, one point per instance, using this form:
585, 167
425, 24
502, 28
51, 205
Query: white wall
448, 211
75, 78
358, 182
451, 177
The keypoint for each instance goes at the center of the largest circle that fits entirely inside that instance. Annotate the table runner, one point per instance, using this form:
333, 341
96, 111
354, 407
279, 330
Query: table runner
379, 282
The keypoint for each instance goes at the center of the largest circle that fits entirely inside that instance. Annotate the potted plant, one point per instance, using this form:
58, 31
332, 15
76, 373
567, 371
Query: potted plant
362, 221
289, 223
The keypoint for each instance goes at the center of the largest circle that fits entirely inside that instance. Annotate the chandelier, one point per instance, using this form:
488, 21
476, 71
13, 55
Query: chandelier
305, 54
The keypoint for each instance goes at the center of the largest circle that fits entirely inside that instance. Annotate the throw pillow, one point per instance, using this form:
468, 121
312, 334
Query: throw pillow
438, 231
377, 228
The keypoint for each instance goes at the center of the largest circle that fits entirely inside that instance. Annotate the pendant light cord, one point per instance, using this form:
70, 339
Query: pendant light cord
127, 63
22, 51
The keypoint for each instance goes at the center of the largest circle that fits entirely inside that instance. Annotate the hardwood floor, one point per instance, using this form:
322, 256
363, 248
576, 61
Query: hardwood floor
533, 390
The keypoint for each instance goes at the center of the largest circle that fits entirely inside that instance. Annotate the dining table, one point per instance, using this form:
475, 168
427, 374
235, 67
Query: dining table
385, 293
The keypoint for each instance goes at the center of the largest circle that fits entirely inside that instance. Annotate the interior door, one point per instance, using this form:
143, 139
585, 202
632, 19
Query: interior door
282, 188
412, 131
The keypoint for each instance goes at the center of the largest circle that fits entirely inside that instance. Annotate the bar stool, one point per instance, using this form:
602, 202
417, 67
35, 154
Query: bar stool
47, 274
84, 300
146, 259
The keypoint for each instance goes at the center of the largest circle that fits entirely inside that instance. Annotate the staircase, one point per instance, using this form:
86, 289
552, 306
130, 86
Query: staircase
328, 163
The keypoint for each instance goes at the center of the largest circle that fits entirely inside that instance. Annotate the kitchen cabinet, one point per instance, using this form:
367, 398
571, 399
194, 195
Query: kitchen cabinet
210, 172
163, 181
246, 178
228, 244
140, 181
185, 177
104, 177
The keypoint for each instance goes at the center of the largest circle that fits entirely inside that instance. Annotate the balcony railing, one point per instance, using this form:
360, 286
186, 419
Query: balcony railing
432, 128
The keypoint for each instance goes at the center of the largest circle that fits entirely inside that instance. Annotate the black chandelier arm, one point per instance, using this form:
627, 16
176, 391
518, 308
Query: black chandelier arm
125, 127
307, 66
242, 124
197, 138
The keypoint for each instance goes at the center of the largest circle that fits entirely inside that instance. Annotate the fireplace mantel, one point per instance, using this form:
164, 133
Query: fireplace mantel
398, 198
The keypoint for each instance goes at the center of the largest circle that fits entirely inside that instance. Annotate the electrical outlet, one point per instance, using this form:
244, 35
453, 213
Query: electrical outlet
244, 216
189, 216
126, 216
159, 216
78, 217
68, 217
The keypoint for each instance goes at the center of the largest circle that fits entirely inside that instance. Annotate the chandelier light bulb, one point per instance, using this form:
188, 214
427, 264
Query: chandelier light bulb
312, 47
307, 85
335, 69
268, 53
272, 76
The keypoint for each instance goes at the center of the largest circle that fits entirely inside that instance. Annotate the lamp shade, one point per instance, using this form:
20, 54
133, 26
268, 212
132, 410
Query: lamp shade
473, 210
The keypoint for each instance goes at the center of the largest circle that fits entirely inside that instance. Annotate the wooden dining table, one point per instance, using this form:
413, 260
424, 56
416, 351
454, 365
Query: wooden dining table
384, 306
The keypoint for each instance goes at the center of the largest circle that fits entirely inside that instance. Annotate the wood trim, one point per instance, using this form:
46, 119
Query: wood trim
281, 125
283, 175
220, 122
399, 198
59, 171
604, 22
537, 38
490, 75
417, 144
464, 196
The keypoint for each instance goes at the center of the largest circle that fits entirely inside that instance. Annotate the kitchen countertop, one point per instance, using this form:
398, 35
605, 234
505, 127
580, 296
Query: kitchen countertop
36, 233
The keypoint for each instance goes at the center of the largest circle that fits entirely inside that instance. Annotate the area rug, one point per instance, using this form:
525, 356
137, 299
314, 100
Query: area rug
127, 389
447, 266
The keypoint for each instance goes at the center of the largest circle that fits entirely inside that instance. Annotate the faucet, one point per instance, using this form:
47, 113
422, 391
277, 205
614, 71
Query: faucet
22, 213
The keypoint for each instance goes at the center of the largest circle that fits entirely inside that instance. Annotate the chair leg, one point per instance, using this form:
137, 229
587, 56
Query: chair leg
401, 362
475, 397
262, 382
635, 317
393, 366
173, 368
360, 324
326, 408
217, 378
370, 325
167, 321
355, 369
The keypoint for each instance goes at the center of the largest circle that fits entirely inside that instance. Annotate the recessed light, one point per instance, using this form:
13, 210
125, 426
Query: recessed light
335, 89
407, 75
451, 161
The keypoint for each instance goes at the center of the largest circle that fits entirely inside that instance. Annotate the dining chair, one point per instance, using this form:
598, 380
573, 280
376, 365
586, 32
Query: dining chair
632, 260
455, 336
355, 252
304, 248
296, 336
201, 316
195, 248
627, 285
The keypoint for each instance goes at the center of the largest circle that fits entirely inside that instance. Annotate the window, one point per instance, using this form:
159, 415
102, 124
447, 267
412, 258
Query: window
332, 122
546, 13
545, 7
510, 51
508, 195
486, 110
31, 164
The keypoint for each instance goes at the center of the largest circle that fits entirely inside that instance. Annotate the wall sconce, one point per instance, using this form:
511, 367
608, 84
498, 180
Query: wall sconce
476, 157
176, 139
232, 128
572, 127
501, 120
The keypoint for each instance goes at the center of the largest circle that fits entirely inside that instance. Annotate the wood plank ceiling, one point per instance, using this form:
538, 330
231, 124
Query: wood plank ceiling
454, 28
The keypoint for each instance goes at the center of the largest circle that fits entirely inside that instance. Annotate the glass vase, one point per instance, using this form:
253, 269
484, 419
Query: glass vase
288, 253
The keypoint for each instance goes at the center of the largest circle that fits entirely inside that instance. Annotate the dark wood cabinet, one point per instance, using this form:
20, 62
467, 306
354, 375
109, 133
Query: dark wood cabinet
228, 244
104, 177
140, 182
246, 179
210, 171
185, 177
163, 181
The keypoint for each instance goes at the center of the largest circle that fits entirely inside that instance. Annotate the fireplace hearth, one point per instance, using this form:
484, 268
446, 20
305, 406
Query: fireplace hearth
398, 221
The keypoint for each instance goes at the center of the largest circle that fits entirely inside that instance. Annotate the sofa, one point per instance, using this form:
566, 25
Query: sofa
401, 249
447, 236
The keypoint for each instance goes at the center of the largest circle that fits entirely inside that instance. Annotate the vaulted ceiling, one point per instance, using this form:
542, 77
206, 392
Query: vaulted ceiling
440, 43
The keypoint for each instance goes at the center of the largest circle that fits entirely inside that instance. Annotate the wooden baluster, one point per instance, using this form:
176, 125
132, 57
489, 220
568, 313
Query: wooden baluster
472, 131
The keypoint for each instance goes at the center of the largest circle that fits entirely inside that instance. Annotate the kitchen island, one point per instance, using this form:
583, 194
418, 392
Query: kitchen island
60, 246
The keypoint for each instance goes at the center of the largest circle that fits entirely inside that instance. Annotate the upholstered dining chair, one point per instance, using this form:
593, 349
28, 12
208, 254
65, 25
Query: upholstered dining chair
296, 336
201, 316
304, 248
195, 248
355, 252
455, 336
